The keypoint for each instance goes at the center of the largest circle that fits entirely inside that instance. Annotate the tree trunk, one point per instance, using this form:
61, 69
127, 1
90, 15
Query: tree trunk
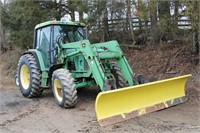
139, 20
72, 8
72, 14
196, 41
81, 16
105, 26
176, 5
59, 9
130, 20
196, 27
2, 32
111, 14
153, 17
164, 19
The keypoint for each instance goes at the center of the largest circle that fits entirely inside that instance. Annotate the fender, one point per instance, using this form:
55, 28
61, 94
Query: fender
39, 59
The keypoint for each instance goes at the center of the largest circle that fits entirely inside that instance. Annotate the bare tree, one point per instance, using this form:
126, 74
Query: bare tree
2, 32
196, 25
128, 2
154, 20
176, 14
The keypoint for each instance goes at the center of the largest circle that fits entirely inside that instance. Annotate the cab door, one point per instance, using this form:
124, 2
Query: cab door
43, 42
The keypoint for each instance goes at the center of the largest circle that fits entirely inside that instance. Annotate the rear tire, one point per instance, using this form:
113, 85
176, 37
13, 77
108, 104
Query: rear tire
120, 81
29, 76
64, 88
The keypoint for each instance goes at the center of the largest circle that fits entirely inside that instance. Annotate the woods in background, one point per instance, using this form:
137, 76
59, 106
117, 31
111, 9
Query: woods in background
137, 22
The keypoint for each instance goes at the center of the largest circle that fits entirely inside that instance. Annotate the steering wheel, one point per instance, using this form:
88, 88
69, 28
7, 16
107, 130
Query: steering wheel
59, 40
58, 43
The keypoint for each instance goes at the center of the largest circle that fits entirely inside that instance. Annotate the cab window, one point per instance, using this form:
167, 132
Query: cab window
43, 38
68, 34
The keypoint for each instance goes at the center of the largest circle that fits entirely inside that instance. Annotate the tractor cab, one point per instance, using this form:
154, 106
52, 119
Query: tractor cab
52, 32
49, 35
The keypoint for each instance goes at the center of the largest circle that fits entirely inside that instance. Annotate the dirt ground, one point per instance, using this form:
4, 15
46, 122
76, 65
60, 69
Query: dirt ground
42, 115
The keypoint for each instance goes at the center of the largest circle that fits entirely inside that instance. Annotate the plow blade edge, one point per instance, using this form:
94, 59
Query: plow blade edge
122, 104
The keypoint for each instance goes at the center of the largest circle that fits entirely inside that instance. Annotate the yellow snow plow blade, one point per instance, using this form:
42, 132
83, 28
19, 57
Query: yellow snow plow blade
122, 104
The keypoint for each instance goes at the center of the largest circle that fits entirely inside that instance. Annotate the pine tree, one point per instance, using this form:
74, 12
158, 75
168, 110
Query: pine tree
19, 19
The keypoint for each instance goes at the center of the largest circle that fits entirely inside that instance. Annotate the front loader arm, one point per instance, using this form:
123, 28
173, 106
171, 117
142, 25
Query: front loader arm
84, 48
93, 54
114, 52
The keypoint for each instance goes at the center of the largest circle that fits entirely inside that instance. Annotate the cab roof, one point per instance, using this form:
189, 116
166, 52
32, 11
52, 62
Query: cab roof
59, 23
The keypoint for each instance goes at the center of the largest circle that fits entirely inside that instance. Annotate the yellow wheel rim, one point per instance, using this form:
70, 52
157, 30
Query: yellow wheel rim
25, 76
58, 90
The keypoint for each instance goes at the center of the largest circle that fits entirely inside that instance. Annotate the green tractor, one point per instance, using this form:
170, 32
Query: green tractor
64, 60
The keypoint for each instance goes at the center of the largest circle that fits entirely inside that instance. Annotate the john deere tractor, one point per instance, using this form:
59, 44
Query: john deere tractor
64, 60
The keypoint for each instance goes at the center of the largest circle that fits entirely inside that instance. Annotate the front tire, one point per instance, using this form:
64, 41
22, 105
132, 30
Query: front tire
116, 72
64, 88
29, 76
